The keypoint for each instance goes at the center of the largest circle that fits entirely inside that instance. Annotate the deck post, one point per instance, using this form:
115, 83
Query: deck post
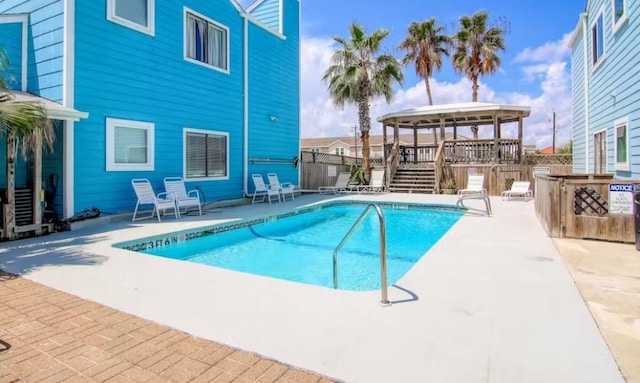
415, 143
520, 147
384, 142
37, 184
496, 134
442, 127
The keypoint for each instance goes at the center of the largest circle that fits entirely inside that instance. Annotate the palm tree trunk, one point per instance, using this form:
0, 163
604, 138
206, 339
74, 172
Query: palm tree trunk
474, 98
365, 126
10, 203
426, 82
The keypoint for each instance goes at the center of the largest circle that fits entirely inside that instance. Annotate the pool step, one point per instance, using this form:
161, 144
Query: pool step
413, 181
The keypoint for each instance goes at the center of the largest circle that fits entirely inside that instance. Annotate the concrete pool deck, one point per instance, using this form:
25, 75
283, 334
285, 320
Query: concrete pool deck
492, 301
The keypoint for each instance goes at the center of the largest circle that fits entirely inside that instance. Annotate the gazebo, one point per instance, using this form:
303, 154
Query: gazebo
439, 118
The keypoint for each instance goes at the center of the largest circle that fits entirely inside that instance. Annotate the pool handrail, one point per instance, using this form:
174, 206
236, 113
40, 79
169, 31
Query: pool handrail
383, 250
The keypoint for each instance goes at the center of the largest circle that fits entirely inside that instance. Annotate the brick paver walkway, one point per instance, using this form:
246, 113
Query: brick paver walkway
50, 336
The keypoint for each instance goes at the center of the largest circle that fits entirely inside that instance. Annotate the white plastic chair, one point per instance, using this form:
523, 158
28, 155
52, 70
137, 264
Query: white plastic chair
376, 183
184, 199
262, 189
475, 185
342, 182
146, 196
282, 187
518, 189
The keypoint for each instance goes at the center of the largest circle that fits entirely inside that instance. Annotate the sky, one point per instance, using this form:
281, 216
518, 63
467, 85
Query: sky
535, 69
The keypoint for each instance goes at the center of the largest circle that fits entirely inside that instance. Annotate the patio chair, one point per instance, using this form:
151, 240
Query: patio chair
376, 183
262, 189
475, 185
342, 183
481, 196
146, 196
282, 187
518, 189
184, 199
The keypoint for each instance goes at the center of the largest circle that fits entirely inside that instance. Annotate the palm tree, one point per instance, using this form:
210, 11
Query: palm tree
24, 124
475, 51
359, 73
425, 45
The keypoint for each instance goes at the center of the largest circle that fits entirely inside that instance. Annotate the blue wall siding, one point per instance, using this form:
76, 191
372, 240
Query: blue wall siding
135, 76
11, 42
21, 166
578, 109
274, 90
45, 44
268, 13
614, 86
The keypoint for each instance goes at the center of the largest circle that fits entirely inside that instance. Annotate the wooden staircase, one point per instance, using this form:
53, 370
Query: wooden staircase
414, 180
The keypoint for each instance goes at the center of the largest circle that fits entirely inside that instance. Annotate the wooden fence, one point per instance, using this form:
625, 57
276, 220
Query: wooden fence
498, 178
317, 167
577, 206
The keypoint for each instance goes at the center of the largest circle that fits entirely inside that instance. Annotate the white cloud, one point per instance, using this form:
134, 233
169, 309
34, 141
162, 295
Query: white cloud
549, 52
320, 118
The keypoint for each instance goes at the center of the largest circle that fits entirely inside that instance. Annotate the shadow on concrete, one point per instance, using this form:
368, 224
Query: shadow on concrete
412, 296
61, 249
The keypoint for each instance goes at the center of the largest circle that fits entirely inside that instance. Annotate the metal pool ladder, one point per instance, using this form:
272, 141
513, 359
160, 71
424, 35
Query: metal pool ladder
383, 250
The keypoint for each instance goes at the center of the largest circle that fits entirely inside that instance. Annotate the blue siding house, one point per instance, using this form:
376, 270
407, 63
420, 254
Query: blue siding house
605, 78
201, 89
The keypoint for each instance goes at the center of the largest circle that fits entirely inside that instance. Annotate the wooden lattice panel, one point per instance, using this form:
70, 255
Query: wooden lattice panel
548, 159
587, 201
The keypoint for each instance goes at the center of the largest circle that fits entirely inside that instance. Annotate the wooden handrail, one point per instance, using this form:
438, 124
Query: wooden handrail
393, 161
439, 164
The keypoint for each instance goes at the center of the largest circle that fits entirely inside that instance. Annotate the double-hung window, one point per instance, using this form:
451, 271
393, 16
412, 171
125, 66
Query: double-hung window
134, 14
621, 144
206, 42
206, 154
130, 145
619, 13
597, 39
340, 151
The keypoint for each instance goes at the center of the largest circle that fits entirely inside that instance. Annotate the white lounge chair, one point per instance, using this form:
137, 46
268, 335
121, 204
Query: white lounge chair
146, 196
262, 189
475, 185
342, 182
518, 189
283, 187
184, 199
376, 183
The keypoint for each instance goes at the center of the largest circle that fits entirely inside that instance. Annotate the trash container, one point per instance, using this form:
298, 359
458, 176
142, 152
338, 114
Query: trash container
636, 213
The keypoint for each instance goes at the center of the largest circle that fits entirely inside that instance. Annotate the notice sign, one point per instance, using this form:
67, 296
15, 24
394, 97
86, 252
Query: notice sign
621, 199
541, 170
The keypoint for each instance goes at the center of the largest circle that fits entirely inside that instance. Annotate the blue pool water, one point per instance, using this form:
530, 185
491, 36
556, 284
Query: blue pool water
300, 247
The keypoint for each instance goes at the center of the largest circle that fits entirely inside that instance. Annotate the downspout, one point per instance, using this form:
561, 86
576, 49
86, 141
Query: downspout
245, 107
585, 57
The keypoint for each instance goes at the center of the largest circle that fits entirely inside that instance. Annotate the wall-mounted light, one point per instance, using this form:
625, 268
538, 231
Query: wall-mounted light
273, 118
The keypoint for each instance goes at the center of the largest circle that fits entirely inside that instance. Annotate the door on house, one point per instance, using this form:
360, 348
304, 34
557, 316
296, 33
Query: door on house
600, 152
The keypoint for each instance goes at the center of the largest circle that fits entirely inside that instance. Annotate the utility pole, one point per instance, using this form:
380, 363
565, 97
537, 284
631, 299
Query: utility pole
554, 133
355, 136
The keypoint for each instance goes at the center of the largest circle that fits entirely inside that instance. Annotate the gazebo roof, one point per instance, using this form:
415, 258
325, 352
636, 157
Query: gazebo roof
462, 114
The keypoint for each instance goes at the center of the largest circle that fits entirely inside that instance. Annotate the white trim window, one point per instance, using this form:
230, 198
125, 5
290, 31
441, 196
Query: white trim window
621, 144
206, 155
597, 39
130, 145
619, 13
340, 151
206, 42
315, 150
135, 14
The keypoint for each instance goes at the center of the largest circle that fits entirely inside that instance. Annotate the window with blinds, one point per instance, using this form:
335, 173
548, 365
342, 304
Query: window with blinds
206, 41
205, 154
135, 14
129, 145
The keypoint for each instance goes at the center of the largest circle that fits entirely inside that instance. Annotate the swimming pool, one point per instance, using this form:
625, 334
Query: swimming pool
298, 245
